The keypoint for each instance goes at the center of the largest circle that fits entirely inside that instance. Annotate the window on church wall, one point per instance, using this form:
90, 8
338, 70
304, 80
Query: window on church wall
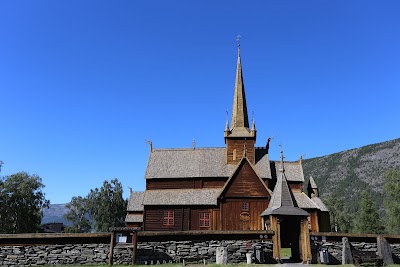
309, 222
245, 206
204, 219
168, 218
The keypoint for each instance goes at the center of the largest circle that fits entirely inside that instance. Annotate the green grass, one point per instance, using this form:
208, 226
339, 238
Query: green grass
286, 253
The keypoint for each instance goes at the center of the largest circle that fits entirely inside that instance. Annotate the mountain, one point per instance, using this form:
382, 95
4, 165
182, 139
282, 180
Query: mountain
349, 172
55, 213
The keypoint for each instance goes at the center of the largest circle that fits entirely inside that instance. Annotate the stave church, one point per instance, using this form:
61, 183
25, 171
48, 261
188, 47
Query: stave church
233, 187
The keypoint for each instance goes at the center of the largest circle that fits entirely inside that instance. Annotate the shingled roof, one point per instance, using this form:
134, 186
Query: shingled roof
181, 197
135, 201
318, 202
204, 162
312, 183
303, 201
293, 170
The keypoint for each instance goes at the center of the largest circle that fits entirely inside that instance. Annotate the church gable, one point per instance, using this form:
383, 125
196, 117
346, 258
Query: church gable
245, 182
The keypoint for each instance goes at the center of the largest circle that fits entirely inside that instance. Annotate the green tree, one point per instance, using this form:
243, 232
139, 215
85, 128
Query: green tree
392, 200
21, 202
368, 220
78, 214
106, 205
341, 219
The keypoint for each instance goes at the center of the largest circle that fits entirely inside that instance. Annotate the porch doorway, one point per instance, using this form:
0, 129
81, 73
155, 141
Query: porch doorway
290, 239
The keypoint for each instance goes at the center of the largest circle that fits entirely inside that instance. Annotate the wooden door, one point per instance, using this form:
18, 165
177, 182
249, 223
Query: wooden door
244, 221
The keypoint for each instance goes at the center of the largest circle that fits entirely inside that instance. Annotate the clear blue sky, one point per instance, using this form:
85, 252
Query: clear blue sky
84, 83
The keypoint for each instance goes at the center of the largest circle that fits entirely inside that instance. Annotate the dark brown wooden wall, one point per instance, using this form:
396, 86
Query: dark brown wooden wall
324, 222
296, 186
245, 183
152, 184
153, 219
186, 218
182, 183
238, 144
214, 183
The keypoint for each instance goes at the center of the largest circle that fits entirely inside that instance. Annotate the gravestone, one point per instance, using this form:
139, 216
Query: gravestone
384, 250
347, 258
222, 255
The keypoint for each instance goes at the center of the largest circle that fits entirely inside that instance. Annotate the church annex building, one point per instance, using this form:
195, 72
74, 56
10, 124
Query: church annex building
235, 187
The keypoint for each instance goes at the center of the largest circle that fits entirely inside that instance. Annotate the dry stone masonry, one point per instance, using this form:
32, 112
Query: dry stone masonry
148, 253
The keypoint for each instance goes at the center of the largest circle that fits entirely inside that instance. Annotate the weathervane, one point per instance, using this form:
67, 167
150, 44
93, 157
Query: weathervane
238, 39
150, 144
280, 145
194, 144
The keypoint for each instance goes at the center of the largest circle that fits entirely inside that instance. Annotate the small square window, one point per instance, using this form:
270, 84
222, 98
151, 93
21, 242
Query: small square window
245, 206
204, 219
168, 218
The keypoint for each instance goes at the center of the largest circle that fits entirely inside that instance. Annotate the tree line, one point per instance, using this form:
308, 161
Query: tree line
367, 219
102, 208
22, 201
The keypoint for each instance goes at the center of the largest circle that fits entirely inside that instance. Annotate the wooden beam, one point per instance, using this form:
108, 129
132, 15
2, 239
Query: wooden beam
112, 244
53, 235
276, 239
305, 241
205, 232
134, 248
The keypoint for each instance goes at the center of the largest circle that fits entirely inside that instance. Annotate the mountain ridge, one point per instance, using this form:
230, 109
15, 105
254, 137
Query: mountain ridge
349, 172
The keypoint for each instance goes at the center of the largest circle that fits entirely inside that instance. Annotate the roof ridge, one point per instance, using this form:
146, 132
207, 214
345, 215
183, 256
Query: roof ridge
186, 149
184, 189
287, 161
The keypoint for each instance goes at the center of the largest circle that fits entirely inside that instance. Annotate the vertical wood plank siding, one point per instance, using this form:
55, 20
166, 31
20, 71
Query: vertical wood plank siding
296, 186
154, 219
244, 187
246, 184
182, 183
232, 211
238, 145
152, 184
185, 218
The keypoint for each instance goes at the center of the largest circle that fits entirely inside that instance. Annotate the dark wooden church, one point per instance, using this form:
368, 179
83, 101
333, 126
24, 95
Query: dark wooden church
235, 187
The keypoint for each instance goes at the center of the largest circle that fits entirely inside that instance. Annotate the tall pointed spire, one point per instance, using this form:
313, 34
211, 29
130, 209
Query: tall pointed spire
239, 133
239, 109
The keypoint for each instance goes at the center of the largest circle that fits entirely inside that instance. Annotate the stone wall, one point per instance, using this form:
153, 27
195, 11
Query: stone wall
148, 253
54, 255
192, 251
334, 249
396, 253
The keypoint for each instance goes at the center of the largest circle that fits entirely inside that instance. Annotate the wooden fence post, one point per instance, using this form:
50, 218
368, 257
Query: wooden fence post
134, 247
112, 244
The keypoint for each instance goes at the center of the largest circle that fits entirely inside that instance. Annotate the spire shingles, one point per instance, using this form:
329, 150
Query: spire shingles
239, 109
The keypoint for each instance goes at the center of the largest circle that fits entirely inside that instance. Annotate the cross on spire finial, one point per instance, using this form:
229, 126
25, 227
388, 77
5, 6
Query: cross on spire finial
282, 157
238, 39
